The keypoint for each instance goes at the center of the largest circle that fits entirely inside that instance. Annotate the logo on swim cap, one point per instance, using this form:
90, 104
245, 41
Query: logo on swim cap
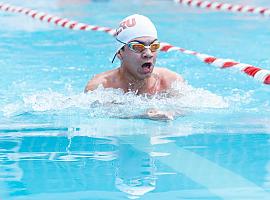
134, 26
125, 24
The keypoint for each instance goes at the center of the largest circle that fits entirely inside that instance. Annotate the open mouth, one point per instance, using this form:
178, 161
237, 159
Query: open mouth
146, 65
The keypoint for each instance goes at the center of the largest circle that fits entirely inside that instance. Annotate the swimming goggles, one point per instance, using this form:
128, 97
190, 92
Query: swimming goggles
139, 47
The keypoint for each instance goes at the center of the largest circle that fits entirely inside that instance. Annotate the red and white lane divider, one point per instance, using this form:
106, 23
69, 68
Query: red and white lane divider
259, 74
63, 22
225, 7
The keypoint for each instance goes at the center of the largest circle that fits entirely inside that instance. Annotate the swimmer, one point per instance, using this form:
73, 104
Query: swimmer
137, 49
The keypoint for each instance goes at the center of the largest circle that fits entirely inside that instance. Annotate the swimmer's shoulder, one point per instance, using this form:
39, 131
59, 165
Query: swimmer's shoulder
168, 76
100, 79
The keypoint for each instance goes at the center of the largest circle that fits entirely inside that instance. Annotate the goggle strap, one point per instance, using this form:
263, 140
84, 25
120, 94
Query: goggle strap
114, 57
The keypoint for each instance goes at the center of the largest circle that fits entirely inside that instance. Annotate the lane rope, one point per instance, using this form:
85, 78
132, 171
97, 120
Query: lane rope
63, 22
262, 75
213, 5
257, 73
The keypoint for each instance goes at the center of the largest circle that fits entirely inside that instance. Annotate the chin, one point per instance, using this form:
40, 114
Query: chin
148, 75
144, 76
141, 75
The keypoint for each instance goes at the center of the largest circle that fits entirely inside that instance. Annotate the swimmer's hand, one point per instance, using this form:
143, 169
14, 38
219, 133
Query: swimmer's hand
155, 114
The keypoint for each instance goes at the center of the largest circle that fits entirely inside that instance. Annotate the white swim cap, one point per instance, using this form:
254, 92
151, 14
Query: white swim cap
132, 27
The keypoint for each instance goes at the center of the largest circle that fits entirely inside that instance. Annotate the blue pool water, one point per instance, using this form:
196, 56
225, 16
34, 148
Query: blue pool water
58, 143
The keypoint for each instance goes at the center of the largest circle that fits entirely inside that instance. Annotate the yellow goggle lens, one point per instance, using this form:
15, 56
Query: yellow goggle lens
138, 47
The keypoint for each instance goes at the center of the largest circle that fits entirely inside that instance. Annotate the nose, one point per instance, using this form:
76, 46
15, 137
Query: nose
147, 53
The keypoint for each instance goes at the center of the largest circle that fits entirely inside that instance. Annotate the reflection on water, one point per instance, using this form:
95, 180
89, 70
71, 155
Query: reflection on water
213, 166
135, 172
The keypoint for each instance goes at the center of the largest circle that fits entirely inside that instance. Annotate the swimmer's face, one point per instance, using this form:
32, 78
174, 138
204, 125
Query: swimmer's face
139, 64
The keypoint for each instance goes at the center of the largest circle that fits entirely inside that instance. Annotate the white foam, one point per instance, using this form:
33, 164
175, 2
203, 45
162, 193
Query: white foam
240, 97
114, 102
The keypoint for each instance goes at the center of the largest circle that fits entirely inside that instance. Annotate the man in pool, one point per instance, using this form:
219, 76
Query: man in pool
137, 50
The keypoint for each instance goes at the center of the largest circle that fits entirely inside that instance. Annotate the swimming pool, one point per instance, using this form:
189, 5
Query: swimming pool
58, 143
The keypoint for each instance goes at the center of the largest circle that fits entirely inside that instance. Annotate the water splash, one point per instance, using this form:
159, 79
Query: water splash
114, 102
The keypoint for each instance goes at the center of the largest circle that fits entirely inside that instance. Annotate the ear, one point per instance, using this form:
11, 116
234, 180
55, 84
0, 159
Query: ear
119, 56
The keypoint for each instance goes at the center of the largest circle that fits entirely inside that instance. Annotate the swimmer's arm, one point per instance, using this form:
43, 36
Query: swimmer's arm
155, 114
94, 83
158, 115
